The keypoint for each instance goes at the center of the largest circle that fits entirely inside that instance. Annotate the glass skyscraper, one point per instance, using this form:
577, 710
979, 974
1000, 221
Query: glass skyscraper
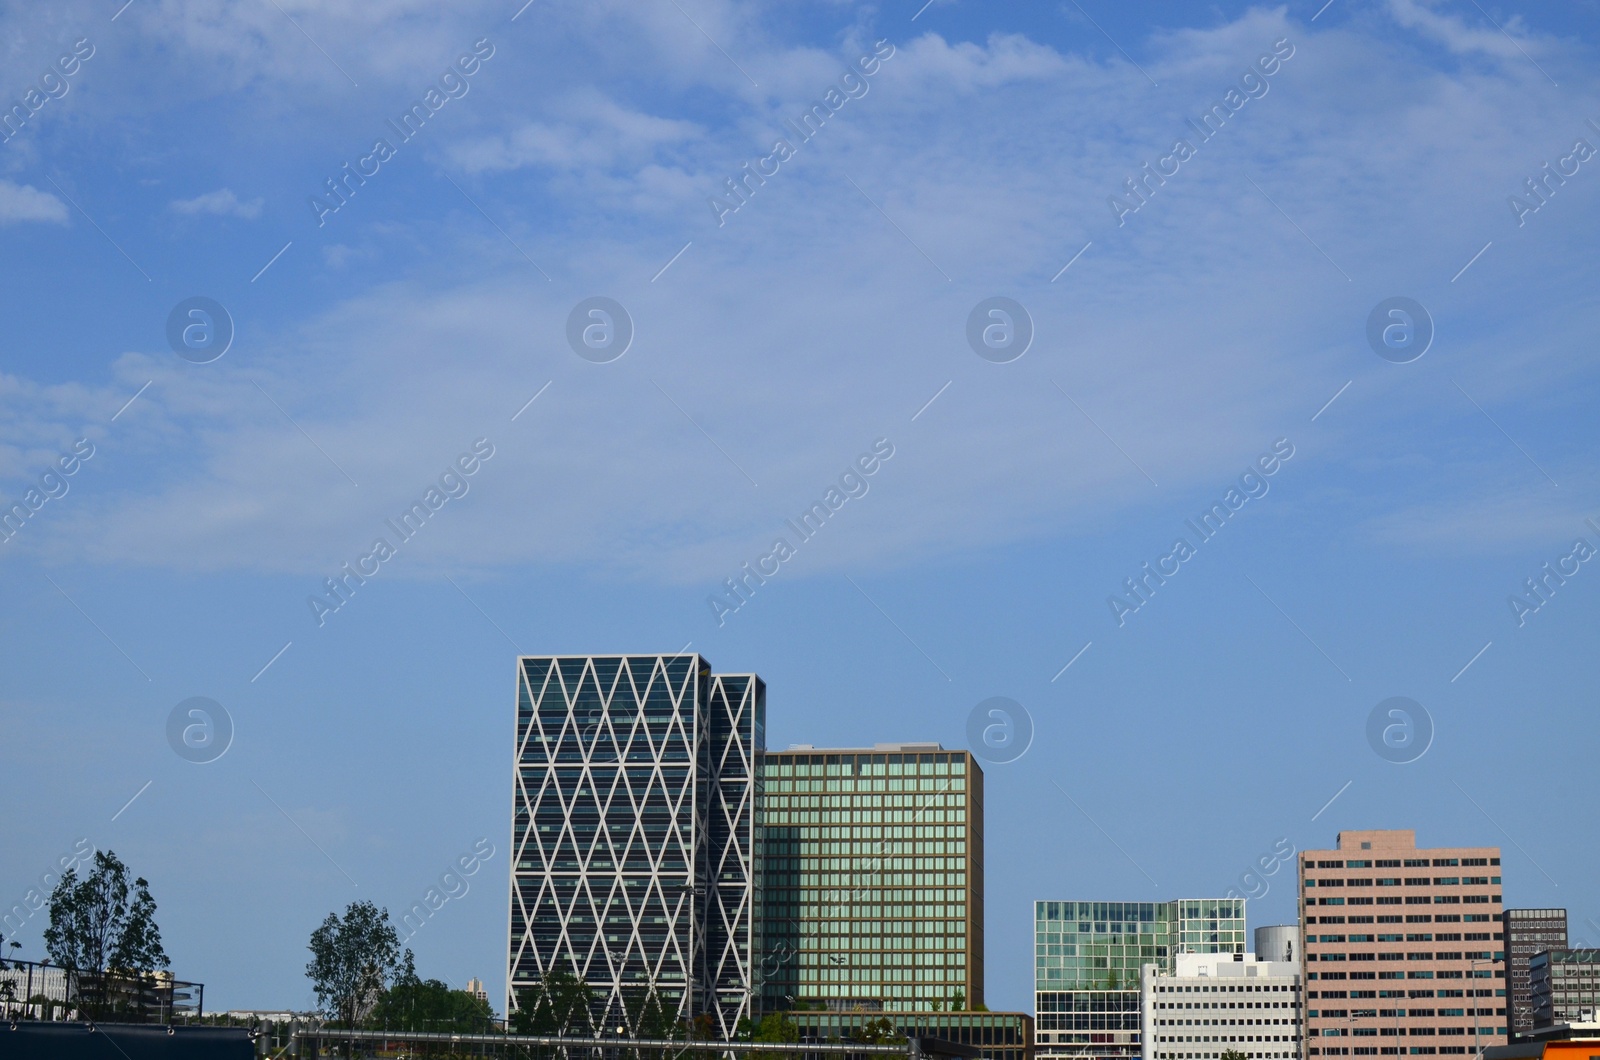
1087, 959
873, 883
634, 841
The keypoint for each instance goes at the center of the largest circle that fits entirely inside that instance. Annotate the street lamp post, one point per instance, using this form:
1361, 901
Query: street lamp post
1477, 1043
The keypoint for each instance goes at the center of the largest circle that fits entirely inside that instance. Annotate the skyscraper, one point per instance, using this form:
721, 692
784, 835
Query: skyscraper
1401, 943
874, 878
1528, 931
633, 832
1087, 962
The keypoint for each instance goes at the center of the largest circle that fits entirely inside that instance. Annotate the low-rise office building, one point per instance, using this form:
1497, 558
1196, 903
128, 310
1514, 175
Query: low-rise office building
1088, 957
1213, 1003
1564, 986
998, 1035
1566, 1041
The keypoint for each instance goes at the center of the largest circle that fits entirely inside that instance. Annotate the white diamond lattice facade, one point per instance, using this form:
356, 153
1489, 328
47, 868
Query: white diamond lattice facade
633, 832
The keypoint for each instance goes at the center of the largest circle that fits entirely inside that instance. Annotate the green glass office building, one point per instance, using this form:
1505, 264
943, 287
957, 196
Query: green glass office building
872, 891
1087, 958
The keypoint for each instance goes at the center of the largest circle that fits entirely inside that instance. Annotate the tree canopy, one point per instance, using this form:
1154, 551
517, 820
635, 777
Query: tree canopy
354, 958
103, 928
560, 1005
879, 1031
413, 1004
775, 1028
649, 1016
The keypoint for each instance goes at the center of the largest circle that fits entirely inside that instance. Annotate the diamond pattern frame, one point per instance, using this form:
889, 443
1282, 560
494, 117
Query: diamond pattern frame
737, 707
608, 817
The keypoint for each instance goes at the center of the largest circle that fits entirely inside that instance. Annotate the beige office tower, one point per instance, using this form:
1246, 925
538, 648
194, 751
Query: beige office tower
1402, 948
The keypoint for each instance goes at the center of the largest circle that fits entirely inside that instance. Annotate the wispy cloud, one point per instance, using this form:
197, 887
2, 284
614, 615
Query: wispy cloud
1186, 374
1455, 34
220, 203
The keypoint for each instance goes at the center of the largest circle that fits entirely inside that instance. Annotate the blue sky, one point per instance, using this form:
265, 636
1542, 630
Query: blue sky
1171, 351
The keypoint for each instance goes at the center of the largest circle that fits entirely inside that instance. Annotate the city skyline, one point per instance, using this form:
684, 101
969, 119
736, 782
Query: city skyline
597, 721
1185, 410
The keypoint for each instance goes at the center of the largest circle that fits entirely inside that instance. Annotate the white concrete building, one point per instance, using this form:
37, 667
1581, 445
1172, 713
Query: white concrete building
1212, 1003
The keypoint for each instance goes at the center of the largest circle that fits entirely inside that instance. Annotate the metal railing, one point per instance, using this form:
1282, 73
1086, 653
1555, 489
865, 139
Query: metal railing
607, 1048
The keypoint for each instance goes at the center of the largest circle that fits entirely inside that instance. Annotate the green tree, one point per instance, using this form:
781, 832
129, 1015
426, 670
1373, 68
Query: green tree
1232, 1054
776, 1028
413, 1004
880, 1031
560, 1005
353, 960
699, 1028
8, 986
649, 1016
103, 929
958, 1001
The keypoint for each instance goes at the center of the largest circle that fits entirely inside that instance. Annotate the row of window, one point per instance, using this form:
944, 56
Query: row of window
787, 764
932, 793
1413, 1032
1389, 1013
835, 832
906, 991
868, 792
1411, 899
934, 855
1410, 881
903, 813
1433, 974
790, 818
1254, 1054
1412, 918
906, 959
921, 927
1420, 955
1220, 1023
1140, 912
1226, 938
1410, 863
1443, 936
1246, 988
1500, 992
1415, 1050
879, 892
1193, 1006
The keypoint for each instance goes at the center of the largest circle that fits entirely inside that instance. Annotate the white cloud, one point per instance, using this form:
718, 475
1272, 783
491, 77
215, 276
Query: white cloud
23, 202
221, 203
1456, 35
812, 323
598, 133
